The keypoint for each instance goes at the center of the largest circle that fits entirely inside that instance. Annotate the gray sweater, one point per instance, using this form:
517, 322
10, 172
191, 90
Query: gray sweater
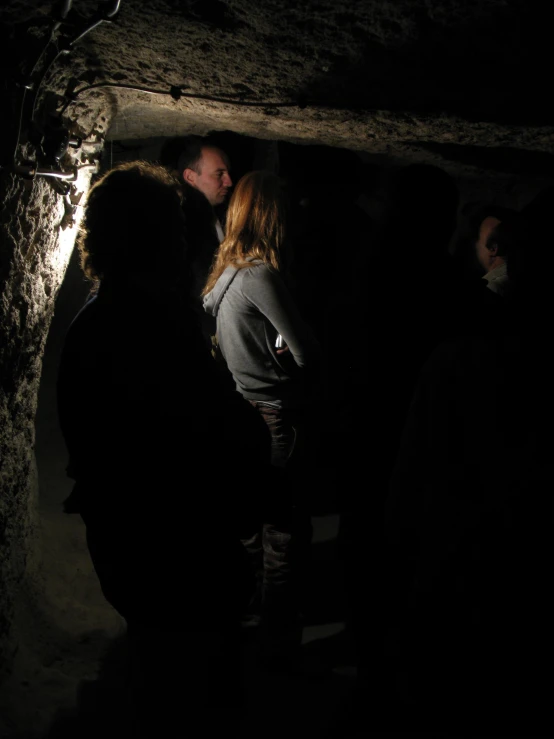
252, 306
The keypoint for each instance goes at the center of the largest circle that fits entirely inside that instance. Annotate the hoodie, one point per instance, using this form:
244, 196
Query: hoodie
252, 306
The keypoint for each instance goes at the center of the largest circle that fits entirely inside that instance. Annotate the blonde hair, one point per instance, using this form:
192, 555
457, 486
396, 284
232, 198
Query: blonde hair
255, 226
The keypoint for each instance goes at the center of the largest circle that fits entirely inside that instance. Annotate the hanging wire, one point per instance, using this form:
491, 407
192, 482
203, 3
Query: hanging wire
29, 86
109, 13
176, 93
48, 68
20, 125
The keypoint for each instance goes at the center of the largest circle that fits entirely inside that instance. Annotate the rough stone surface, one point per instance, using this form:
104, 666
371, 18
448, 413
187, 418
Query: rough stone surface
34, 251
401, 78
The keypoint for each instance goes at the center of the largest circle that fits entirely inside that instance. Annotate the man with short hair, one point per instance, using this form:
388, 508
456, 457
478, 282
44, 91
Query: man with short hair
206, 167
204, 170
469, 509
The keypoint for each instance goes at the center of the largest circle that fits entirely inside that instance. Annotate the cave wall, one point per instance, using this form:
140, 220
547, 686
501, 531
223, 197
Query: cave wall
37, 237
27, 283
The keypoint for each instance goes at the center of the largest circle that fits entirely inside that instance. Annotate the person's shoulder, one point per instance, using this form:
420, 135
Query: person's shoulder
265, 271
261, 274
256, 269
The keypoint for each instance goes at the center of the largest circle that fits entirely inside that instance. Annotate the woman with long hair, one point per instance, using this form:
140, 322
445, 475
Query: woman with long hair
274, 357
269, 349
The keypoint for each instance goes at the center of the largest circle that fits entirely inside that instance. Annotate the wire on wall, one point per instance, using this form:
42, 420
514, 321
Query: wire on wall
57, 139
177, 93
55, 136
63, 48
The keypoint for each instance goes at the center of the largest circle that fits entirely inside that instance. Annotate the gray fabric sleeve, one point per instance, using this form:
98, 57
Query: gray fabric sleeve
265, 290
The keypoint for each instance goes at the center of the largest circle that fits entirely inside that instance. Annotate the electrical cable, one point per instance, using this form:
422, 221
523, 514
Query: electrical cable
54, 60
66, 7
29, 86
32, 171
176, 93
50, 39
64, 10
20, 124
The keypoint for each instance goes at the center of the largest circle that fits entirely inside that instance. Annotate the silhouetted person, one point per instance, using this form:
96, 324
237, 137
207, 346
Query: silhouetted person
412, 306
470, 511
151, 434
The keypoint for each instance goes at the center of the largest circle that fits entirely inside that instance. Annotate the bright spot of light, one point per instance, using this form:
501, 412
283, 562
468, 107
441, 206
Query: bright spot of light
66, 243
68, 234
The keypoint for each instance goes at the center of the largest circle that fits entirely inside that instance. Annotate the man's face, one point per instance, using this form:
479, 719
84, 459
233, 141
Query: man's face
213, 177
484, 255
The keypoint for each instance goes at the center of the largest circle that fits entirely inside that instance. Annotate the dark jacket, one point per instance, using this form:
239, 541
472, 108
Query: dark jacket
152, 433
203, 243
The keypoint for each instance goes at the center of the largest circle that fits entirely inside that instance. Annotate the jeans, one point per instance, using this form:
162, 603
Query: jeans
286, 429
279, 549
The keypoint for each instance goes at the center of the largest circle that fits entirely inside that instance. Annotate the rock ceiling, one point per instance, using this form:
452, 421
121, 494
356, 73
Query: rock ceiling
463, 80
